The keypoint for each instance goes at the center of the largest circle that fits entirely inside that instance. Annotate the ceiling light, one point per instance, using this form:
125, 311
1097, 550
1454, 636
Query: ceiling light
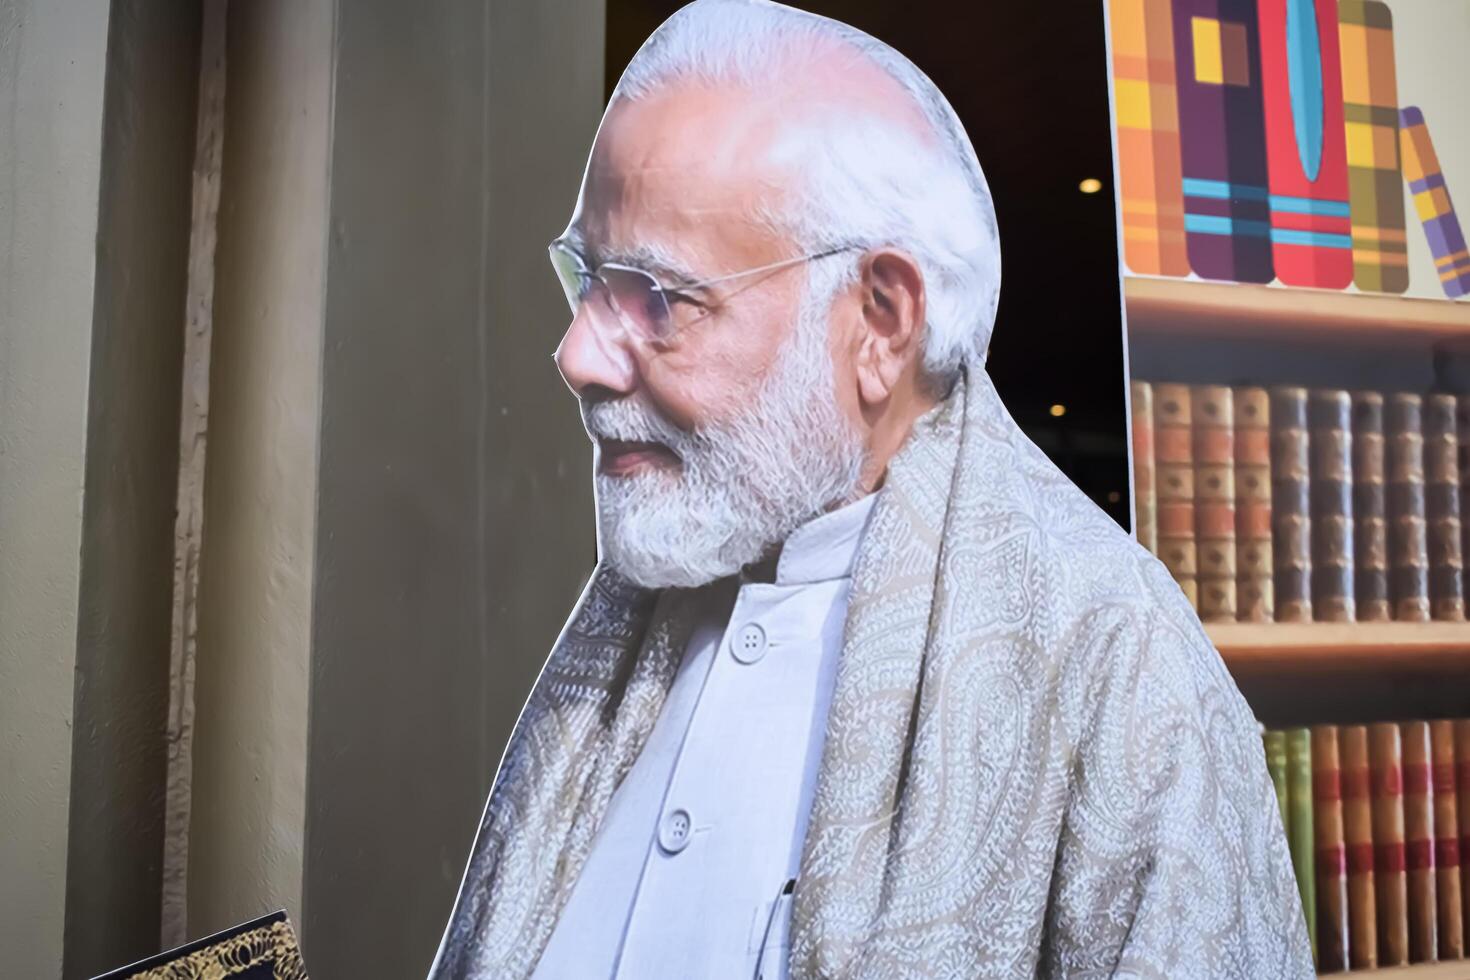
1090, 186
1058, 411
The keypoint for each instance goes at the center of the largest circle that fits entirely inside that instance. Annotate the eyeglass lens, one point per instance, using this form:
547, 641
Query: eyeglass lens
633, 295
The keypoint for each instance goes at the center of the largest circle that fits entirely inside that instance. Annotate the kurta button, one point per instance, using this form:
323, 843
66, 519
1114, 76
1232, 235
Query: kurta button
674, 831
749, 645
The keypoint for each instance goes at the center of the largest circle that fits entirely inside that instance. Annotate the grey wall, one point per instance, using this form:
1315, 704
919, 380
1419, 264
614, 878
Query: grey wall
119, 751
454, 523
51, 83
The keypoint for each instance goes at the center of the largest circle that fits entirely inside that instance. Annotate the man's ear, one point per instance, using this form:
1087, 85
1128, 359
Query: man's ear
892, 295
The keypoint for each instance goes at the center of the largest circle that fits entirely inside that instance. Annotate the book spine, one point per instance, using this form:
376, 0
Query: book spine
1311, 232
1419, 844
1299, 828
1357, 831
1371, 124
1174, 467
1217, 66
1330, 421
1448, 886
1432, 202
1462, 454
1147, 104
1407, 536
1275, 744
1462, 806
1291, 512
1145, 498
1331, 861
1254, 592
1370, 529
1212, 413
1386, 759
1442, 508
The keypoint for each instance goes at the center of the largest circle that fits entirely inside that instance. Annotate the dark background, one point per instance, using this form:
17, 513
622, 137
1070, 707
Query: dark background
1030, 84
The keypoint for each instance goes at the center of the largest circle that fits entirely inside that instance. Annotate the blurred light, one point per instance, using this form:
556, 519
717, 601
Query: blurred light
1114, 496
1058, 411
1090, 186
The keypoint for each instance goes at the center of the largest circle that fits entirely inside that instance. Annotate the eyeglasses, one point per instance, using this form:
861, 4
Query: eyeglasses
644, 307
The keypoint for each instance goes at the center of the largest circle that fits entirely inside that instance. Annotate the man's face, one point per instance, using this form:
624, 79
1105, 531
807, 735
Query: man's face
717, 445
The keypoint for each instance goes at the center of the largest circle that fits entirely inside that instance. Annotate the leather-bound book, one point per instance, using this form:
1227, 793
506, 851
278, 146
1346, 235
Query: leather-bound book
1255, 595
1462, 803
1408, 544
1419, 844
1275, 743
1174, 468
1329, 416
1291, 512
1442, 508
1462, 452
1212, 413
1300, 831
1145, 498
1447, 870
1370, 524
1332, 883
1357, 831
1386, 759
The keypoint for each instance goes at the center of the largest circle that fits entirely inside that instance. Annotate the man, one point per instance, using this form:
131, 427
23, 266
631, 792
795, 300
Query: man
862, 685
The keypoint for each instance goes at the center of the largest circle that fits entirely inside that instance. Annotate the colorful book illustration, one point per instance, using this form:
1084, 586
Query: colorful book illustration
1148, 137
1301, 80
1432, 202
1222, 139
1371, 126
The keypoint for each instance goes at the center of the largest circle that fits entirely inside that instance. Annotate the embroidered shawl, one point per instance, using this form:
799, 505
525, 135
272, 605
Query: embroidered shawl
1035, 764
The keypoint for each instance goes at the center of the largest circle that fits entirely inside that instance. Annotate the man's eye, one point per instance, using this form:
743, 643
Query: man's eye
683, 298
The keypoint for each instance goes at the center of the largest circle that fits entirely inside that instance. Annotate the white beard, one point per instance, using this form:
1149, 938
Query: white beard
745, 484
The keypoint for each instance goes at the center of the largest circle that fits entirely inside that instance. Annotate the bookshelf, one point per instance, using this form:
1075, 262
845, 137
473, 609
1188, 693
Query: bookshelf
1448, 970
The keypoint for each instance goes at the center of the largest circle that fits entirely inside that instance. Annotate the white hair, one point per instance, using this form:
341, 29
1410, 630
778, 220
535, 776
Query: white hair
868, 181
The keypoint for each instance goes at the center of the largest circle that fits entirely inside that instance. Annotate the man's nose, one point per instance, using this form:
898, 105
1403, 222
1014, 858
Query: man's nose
591, 356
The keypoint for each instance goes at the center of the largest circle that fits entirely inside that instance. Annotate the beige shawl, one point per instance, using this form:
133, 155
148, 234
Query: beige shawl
1035, 762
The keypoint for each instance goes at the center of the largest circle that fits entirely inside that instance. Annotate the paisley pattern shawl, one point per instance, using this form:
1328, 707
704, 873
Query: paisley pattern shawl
1035, 763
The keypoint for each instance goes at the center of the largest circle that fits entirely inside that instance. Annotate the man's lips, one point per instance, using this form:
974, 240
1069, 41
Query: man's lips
619, 458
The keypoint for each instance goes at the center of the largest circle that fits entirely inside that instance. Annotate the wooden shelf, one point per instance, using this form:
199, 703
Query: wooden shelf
1185, 307
1448, 970
1338, 646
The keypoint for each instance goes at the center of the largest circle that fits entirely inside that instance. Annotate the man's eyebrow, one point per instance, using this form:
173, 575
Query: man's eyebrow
652, 258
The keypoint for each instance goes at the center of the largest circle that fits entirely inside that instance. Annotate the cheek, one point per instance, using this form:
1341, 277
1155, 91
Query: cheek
719, 370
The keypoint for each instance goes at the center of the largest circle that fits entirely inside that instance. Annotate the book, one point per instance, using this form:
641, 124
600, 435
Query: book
1330, 422
1357, 831
1407, 537
1462, 806
1145, 499
1212, 415
1217, 67
1386, 759
1255, 594
1442, 508
1306, 152
1419, 844
1146, 106
1370, 526
1299, 829
1331, 858
1174, 469
1291, 512
1275, 746
1462, 455
1432, 202
1448, 886
1371, 126
262, 949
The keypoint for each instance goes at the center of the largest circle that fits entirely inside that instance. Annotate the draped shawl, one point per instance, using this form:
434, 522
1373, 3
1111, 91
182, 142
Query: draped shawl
1035, 763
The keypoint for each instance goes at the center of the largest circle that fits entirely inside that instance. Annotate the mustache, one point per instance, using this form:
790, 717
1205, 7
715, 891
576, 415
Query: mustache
627, 421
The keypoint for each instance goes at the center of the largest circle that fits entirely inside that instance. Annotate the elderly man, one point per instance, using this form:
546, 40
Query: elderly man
862, 686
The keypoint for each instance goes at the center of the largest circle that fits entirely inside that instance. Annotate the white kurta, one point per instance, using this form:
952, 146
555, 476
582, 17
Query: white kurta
690, 875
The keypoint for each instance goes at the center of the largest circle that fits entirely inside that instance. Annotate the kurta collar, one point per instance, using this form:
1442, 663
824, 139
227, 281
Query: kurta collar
826, 546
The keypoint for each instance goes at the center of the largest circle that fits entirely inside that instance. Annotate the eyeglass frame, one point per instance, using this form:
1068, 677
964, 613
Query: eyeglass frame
661, 290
